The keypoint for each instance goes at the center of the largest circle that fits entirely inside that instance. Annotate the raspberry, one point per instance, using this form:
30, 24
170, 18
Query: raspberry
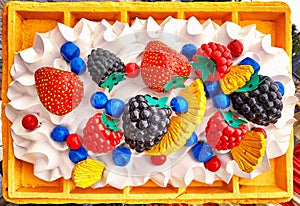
144, 125
99, 139
220, 54
220, 135
262, 105
236, 47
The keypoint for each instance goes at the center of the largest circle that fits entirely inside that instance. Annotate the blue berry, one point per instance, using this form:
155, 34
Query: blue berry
202, 152
280, 87
189, 50
114, 107
78, 66
221, 101
192, 140
69, 51
98, 100
78, 154
59, 133
252, 62
121, 156
211, 88
179, 105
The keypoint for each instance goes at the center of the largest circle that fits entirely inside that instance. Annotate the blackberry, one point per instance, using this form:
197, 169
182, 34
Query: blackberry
262, 105
102, 63
144, 125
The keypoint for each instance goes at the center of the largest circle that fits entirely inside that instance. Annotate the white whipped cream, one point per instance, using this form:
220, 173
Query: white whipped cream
50, 158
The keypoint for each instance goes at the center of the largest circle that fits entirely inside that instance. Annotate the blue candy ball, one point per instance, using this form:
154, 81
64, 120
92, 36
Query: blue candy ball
59, 133
121, 156
189, 50
69, 51
78, 154
221, 101
179, 105
192, 140
78, 66
98, 100
114, 107
252, 62
211, 88
202, 152
280, 87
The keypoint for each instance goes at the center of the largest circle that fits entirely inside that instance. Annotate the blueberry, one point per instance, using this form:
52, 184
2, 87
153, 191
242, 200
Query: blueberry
211, 88
249, 61
114, 107
192, 140
281, 87
78, 66
78, 154
202, 152
221, 101
69, 51
98, 100
121, 156
179, 105
189, 50
59, 133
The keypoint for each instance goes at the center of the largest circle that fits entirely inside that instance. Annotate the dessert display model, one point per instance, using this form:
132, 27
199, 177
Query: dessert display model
43, 169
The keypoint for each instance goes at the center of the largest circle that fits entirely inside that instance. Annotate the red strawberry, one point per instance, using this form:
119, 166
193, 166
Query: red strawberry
224, 131
98, 138
160, 64
59, 91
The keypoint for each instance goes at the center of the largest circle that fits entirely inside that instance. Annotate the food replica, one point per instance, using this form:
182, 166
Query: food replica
116, 106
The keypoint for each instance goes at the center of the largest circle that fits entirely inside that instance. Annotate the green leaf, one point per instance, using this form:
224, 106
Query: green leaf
231, 121
160, 103
206, 66
112, 80
175, 82
110, 124
252, 84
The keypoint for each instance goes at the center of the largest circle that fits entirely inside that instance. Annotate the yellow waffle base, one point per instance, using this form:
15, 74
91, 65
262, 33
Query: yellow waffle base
20, 23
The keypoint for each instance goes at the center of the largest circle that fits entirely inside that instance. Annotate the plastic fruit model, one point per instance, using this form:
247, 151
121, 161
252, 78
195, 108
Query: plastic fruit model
224, 132
59, 91
260, 102
97, 137
143, 124
160, 63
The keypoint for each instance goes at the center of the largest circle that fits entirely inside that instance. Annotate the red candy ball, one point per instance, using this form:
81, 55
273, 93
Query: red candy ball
236, 47
132, 70
74, 141
158, 160
213, 164
30, 121
259, 129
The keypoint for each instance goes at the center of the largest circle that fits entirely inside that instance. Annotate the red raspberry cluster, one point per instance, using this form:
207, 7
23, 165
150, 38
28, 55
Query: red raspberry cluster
98, 138
220, 54
220, 135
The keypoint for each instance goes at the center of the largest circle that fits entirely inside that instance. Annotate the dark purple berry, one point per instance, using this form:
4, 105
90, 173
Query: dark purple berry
262, 106
144, 125
102, 63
